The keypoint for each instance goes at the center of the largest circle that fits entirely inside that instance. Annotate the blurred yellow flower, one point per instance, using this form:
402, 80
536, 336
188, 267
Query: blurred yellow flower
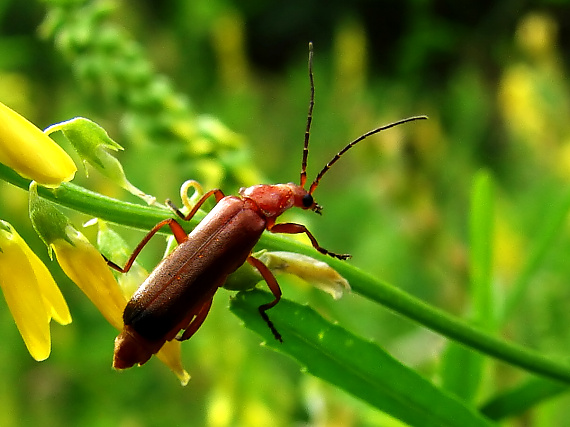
30, 292
537, 34
30, 152
521, 103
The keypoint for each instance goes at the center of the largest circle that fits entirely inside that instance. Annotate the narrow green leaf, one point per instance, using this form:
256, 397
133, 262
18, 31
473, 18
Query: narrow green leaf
522, 398
461, 371
462, 368
358, 366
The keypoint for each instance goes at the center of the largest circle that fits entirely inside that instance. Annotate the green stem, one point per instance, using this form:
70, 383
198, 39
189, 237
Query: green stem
458, 330
144, 217
80, 199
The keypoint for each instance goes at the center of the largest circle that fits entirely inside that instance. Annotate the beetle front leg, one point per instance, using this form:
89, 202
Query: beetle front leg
177, 230
275, 290
292, 228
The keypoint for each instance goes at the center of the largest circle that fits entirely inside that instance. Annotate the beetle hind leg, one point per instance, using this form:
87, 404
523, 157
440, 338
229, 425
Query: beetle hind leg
267, 320
196, 321
177, 230
275, 290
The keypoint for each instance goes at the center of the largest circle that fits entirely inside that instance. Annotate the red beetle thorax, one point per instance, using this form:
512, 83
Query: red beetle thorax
273, 200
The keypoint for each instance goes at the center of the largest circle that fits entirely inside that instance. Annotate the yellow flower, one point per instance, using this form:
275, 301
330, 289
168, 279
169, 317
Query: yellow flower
30, 292
80, 261
85, 266
113, 246
30, 152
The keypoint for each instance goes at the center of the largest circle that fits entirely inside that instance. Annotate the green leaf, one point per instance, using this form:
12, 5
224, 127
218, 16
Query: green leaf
481, 250
522, 398
462, 368
461, 371
358, 366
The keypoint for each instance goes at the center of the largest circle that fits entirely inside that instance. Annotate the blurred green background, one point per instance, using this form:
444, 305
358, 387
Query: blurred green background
162, 78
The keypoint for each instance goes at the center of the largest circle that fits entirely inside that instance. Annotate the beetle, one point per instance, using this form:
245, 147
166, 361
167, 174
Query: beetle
174, 300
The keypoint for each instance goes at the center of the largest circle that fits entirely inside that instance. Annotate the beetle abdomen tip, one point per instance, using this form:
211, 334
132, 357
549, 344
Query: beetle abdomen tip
131, 349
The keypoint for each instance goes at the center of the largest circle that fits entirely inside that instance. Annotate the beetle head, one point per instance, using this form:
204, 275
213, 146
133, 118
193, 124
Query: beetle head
273, 200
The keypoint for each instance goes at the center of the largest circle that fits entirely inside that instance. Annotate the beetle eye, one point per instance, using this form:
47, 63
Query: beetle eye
307, 201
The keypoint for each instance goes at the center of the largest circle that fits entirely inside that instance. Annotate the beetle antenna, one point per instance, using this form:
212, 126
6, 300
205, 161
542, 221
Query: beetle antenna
356, 141
309, 119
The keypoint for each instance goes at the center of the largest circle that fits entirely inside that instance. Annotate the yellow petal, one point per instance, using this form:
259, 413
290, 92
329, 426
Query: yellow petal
31, 153
53, 299
170, 355
22, 294
83, 264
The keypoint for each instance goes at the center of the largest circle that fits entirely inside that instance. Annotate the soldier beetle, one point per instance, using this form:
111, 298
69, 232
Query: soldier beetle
174, 300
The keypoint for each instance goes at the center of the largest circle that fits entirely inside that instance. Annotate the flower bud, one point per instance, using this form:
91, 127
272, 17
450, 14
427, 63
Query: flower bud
93, 145
31, 153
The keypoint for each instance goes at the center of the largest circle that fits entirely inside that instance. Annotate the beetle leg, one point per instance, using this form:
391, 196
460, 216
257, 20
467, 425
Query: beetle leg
275, 290
196, 322
216, 192
292, 228
177, 230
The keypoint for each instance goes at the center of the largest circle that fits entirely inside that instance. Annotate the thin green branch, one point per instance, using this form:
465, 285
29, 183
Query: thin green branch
80, 199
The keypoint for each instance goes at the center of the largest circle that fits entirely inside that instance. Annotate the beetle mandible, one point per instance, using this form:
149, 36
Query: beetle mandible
174, 300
